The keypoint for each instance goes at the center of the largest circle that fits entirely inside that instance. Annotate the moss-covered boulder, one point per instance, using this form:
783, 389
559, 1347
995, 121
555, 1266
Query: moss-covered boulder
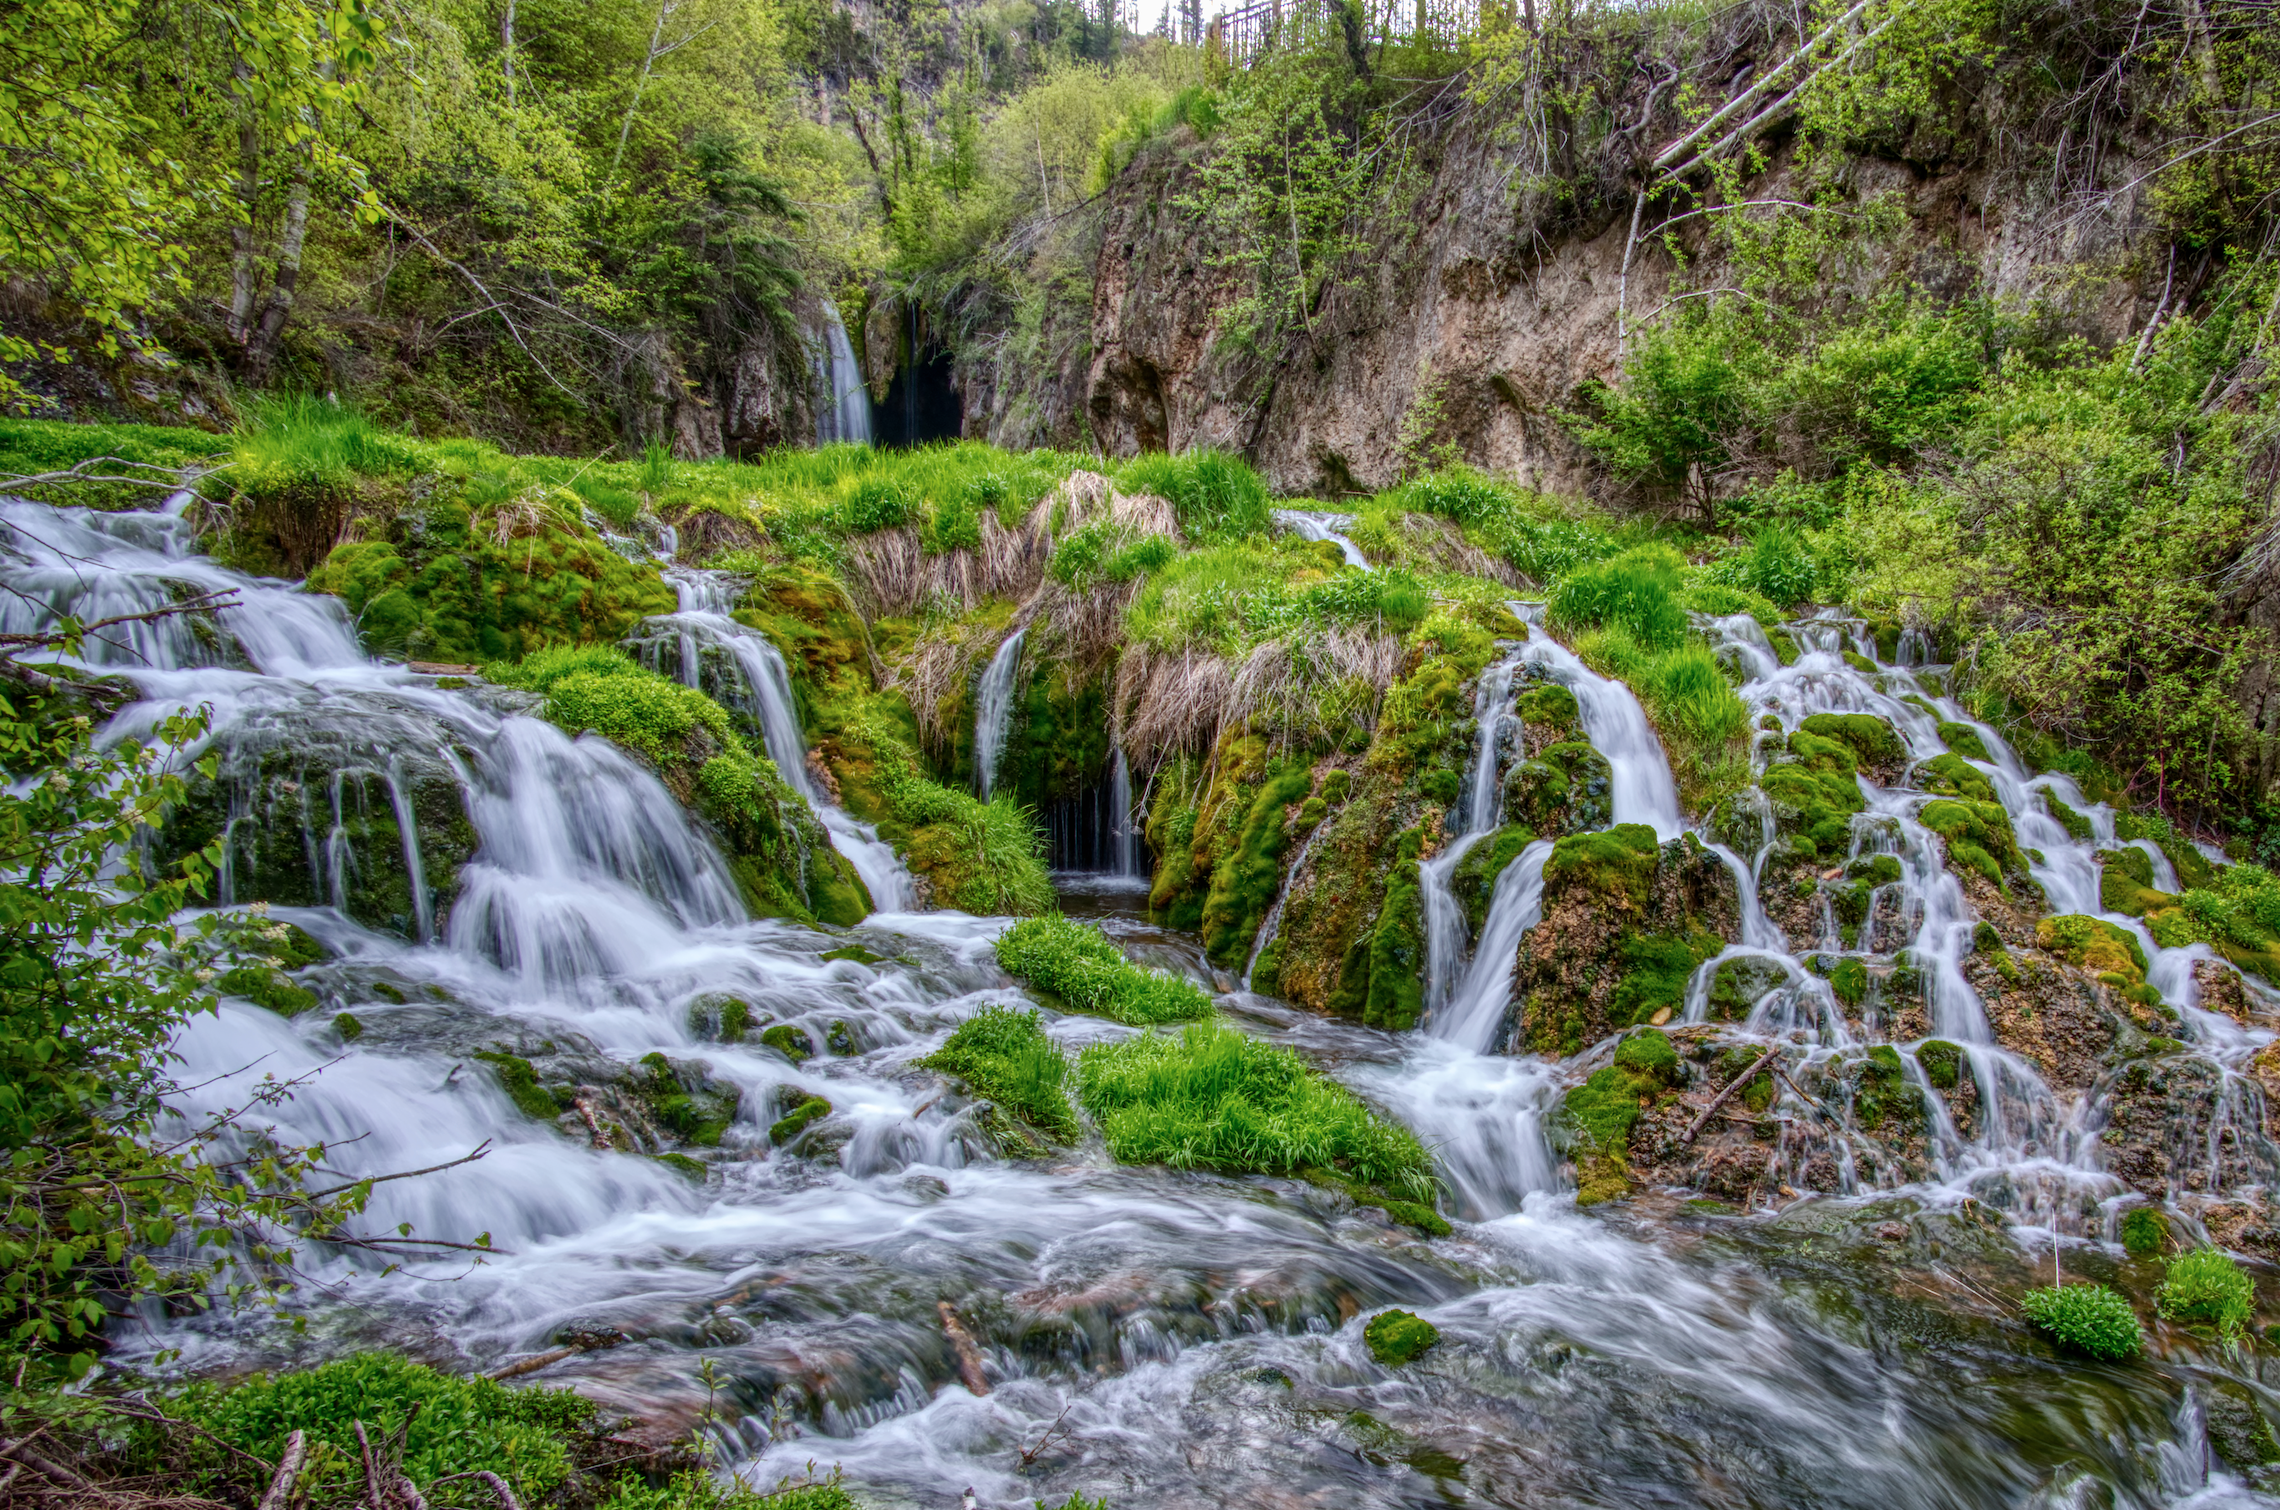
1396, 992
1597, 1116
1473, 882
1814, 790
1565, 789
1625, 924
443, 579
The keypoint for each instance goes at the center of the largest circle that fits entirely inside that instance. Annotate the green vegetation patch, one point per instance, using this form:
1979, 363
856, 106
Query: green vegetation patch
2144, 1231
1211, 1097
1618, 862
2206, 1287
2088, 1318
1600, 1113
1006, 1056
520, 1082
1396, 1338
1077, 964
1871, 740
2093, 944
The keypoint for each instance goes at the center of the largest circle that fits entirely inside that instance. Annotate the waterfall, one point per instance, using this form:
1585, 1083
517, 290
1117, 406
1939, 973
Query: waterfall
1316, 524
1447, 935
1271, 924
993, 711
1640, 786
1129, 861
743, 670
843, 404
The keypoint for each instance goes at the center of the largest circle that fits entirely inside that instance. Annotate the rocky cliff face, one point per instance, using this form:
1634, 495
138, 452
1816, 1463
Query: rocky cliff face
1466, 305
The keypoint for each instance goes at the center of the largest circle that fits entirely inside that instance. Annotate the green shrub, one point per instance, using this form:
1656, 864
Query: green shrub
2207, 1288
2088, 1318
459, 1424
1775, 565
1077, 964
1398, 1337
1005, 1055
1211, 1097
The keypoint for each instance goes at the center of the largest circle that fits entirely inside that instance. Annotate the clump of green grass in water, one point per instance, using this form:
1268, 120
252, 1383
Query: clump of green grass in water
2089, 1318
982, 857
2207, 1288
1077, 964
1211, 1097
458, 1424
1213, 494
1005, 1055
1399, 1337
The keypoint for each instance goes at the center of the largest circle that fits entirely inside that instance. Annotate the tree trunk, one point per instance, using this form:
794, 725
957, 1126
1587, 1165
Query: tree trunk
261, 346
241, 234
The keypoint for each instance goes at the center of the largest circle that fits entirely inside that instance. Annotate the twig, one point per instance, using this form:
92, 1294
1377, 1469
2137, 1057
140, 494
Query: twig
1030, 1456
288, 1470
1744, 1078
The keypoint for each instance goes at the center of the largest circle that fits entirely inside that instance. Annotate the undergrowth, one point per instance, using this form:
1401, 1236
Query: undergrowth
1077, 964
1006, 1056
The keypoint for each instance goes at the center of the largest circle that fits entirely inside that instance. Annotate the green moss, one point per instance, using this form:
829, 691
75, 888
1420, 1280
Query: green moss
520, 1082
1978, 836
1814, 794
2144, 1231
1655, 970
1397, 953
2089, 1318
1599, 1114
2125, 882
796, 1121
1941, 1062
793, 1043
1964, 740
1244, 883
348, 1027
1549, 705
267, 987
1396, 1338
1649, 1055
1784, 644
1082, 969
1881, 1092
2076, 825
1006, 1056
1740, 984
1870, 739
1473, 882
1860, 663
1849, 980
1618, 861
1567, 788
682, 1165
1336, 785
1948, 775
2093, 944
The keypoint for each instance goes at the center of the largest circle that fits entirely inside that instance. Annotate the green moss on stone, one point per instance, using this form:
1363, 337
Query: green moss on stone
794, 1122
1941, 1062
1395, 1338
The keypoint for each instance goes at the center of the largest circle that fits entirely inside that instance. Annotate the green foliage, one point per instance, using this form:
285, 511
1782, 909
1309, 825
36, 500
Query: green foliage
1395, 1338
2089, 1318
1005, 1055
1776, 566
1077, 964
1636, 592
1211, 1097
1686, 392
981, 857
2144, 1233
456, 1424
708, 1491
2205, 1287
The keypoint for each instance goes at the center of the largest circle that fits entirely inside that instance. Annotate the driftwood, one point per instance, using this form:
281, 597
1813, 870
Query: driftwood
969, 1353
585, 1343
42, 1465
289, 1466
1744, 1078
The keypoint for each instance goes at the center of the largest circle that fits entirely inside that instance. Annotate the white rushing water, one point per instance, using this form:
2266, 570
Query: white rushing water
1171, 1338
1318, 524
843, 404
993, 711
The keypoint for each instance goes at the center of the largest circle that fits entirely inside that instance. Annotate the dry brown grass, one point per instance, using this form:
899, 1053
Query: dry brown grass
1178, 703
892, 576
1440, 544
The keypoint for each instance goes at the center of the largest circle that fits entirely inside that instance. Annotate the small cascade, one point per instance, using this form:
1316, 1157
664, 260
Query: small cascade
1318, 524
1641, 785
843, 404
1130, 863
993, 711
1474, 1015
744, 671
1448, 937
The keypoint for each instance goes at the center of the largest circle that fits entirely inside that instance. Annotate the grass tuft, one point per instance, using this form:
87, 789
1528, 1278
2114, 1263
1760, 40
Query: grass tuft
1005, 1055
1077, 964
2088, 1318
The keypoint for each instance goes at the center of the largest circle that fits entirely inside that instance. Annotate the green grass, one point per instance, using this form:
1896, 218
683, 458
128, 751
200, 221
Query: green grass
706, 1491
1005, 1055
981, 857
1637, 591
1078, 965
1211, 1097
1214, 495
305, 440
2088, 1318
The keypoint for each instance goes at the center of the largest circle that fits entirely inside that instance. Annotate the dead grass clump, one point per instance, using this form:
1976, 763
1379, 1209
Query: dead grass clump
1170, 702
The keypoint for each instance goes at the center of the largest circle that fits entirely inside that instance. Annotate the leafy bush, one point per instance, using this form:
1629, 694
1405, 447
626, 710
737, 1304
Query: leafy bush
2207, 1288
1079, 965
1005, 1055
1215, 495
459, 1424
1776, 565
2089, 1318
1211, 1097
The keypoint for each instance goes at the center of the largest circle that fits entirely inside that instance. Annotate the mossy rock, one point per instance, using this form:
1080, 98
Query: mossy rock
2145, 1232
1784, 644
1871, 740
1814, 794
520, 1082
1397, 955
1942, 1063
348, 1026
1615, 862
2077, 825
1244, 883
1964, 740
1849, 982
1567, 788
685, 1101
1656, 968
1950, 776
1978, 836
791, 1042
268, 987
2125, 883
681, 1164
1881, 1091
1473, 882
1396, 1338
794, 1122
1550, 707
723, 1018
2095, 945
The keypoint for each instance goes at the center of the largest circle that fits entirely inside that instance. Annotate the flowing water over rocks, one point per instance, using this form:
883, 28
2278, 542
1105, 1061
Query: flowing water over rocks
1163, 1339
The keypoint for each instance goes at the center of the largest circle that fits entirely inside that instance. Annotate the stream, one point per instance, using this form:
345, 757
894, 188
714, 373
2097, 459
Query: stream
1156, 1338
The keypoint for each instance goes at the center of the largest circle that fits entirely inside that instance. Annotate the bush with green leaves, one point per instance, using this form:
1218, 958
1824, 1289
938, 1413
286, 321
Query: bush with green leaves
2089, 1318
1078, 965
1210, 1096
2207, 1288
1006, 1056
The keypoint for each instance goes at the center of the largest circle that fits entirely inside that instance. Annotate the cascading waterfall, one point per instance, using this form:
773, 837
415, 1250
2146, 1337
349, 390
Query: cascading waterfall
1194, 1339
743, 670
1317, 524
843, 405
1129, 861
993, 711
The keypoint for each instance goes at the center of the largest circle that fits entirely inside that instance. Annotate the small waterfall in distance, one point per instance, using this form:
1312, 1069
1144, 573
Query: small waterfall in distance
993, 711
1319, 524
843, 405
